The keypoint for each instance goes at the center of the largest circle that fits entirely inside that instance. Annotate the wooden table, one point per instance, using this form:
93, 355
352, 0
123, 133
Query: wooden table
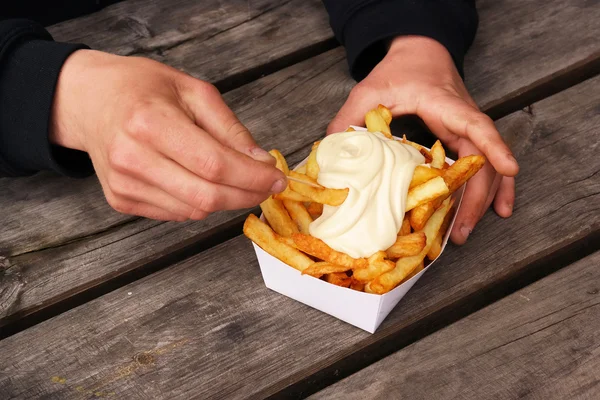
96, 304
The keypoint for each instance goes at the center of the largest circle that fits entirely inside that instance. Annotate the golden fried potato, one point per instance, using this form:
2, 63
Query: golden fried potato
377, 266
299, 214
438, 155
321, 268
430, 190
281, 162
406, 246
278, 217
419, 215
405, 229
423, 174
312, 168
404, 266
376, 123
332, 197
385, 113
462, 170
338, 279
315, 209
317, 248
261, 234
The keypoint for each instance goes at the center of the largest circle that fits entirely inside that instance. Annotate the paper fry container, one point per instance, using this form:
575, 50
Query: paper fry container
363, 310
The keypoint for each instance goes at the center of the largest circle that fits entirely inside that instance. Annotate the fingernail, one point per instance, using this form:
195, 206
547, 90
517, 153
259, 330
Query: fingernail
465, 231
279, 186
261, 155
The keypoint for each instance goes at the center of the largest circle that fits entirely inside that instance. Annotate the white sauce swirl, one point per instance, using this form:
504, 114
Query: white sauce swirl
377, 172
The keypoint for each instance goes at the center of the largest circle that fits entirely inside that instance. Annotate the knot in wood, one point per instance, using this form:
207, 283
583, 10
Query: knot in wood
593, 291
144, 358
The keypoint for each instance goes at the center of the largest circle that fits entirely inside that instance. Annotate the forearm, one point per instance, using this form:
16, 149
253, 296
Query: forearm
30, 63
366, 28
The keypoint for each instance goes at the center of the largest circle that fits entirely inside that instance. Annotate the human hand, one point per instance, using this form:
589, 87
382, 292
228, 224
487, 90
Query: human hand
164, 145
418, 76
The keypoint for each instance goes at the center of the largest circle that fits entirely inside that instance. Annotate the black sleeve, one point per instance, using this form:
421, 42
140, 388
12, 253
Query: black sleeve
363, 27
30, 63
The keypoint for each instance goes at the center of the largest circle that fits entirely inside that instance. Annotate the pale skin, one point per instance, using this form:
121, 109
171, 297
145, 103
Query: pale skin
165, 145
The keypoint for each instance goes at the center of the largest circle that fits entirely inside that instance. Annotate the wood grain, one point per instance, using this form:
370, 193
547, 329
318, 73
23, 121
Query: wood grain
211, 40
210, 319
61, 236
542, 342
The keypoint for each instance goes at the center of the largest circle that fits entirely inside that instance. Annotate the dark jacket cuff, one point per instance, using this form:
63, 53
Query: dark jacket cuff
367, 31
30, 68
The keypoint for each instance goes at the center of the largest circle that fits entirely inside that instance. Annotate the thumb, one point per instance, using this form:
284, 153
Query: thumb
212, 114
352, 112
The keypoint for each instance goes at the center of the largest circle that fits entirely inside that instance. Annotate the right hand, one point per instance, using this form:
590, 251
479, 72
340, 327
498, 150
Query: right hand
164, 145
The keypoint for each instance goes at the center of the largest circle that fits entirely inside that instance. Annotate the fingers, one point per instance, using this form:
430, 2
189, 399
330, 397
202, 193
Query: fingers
467, 122
172, 134
475, 200
164, 174
505, 198
214, 116
352, 112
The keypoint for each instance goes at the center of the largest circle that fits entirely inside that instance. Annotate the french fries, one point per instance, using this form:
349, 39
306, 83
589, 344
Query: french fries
406, 246
332, 197
312, 168
430, 190
317, 248
404, 266
261, 234
299, 214
278, 217
428, 213
423, 174
438, 155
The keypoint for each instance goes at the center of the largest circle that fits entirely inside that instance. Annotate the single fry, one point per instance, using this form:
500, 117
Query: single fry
405, 229
425, 192
376, 123
317, 248
377, 266
419, 215
321, 268
407, 246
301, 170
356, 285
385, 113
438, 155
332, 197
339, 279
315, 209
404, 266
261, 234
436, 247
423, 174
281, 163
299, 214
289, 194
278, 217
312, 168
462, 170
350, 129
419, 268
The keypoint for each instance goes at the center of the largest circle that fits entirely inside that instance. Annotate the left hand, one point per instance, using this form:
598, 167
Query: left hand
418, 76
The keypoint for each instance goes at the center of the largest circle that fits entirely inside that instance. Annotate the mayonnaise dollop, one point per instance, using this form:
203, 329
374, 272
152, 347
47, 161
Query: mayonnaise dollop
377, 172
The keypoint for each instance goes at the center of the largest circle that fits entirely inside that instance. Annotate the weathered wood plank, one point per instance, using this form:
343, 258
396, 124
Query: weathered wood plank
210, 319
87, 244
211, 40
542, 342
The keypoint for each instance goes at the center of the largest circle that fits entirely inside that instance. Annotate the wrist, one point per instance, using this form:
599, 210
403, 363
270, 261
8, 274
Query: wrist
418, 46
65, 127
